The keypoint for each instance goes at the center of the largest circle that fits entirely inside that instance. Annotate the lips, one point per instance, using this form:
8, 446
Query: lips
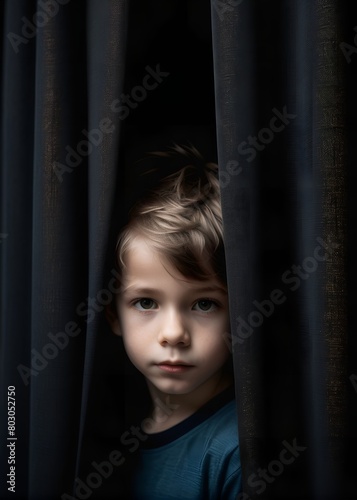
174, 366
175, 363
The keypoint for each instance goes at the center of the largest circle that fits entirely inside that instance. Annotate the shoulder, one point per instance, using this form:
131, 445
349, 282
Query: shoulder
221, 432
221, 455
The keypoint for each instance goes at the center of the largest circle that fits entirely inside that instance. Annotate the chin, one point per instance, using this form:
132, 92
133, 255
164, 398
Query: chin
172, 389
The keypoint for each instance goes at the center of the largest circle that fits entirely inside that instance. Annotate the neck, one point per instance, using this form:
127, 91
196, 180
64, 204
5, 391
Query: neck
170, 409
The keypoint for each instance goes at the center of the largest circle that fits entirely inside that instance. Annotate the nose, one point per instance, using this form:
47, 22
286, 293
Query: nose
174, 330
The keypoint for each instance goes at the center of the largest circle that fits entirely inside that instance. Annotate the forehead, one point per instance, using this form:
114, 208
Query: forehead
145, 266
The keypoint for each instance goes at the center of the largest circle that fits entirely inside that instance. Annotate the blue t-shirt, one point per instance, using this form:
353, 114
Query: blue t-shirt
197, 459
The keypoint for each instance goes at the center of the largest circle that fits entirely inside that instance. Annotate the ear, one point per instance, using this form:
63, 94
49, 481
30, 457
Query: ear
112, 318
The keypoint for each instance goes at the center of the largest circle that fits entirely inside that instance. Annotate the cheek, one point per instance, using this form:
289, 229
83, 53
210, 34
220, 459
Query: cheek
136, 350
135, 334
220, 324
222, 331
126, 319
214, 339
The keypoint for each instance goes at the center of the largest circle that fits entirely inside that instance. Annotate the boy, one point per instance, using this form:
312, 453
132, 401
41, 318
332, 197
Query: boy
172, 313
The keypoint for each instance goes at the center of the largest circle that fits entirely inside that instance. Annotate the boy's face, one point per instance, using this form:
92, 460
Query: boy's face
173, 329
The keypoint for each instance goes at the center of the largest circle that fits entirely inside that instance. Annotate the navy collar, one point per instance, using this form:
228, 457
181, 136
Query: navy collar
207, 410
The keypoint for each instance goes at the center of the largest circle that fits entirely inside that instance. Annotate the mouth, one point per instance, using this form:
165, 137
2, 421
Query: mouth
174, 366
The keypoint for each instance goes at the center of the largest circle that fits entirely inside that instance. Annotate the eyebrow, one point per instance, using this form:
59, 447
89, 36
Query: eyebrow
148, 291
209, 289
141, 290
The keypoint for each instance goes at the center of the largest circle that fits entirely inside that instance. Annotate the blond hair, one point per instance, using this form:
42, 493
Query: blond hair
181, 218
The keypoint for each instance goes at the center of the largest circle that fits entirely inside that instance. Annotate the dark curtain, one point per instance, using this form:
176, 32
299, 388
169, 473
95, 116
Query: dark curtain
62, 66
285, 109
267, 88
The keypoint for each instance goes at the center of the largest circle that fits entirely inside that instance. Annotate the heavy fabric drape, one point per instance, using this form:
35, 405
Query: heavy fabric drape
58, 80
285, 111
284, 98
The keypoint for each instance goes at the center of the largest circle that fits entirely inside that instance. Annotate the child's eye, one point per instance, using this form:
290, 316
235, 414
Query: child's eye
145, 304
205, 305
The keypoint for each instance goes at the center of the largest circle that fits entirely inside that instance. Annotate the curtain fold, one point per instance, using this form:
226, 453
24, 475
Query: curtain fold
106, 49
234, 54
63, 66
302, 336
328, 330
56, 256
15, 313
